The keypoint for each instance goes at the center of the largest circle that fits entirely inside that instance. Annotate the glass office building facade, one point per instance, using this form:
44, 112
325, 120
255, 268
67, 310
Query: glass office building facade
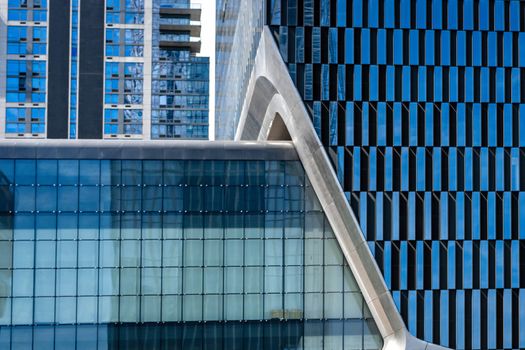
172, 254
239, 25
420, 107
120, 69
124, 69
26, 63
180, 79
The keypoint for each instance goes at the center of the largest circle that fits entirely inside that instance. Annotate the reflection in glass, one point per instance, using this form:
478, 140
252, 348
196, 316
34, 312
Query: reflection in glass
184, 245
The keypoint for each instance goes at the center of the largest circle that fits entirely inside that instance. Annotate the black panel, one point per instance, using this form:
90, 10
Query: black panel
91, 69
58, 70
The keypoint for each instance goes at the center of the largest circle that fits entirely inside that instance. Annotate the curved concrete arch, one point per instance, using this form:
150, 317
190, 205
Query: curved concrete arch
273, 119
278, 130
271, 93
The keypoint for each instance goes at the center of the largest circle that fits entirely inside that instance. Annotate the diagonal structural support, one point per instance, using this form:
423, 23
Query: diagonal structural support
273, 108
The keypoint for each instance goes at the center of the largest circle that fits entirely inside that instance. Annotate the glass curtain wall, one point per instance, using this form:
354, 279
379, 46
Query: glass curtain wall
239, 26
103, 253
420, 105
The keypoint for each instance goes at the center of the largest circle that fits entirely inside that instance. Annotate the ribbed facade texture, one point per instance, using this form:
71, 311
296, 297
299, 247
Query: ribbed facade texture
102, 69
239, 25
73, 69
420, 106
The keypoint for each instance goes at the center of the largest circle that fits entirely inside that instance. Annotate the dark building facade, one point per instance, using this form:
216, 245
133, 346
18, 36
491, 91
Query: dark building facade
102, 69
420, 107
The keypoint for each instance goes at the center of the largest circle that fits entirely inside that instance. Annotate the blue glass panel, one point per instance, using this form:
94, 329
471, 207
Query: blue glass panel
357, 11
389, 20
349, 46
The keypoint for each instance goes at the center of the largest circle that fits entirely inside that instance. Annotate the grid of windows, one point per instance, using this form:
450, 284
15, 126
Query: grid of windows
124, 83
125, 42
124, 68
420, 105
16, 120
124, 241
180, 79
125, 12
26, 68
21, 10
26, 40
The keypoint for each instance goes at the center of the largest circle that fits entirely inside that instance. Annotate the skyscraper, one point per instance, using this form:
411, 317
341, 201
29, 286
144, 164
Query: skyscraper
235, 58
419, 105
175, 245
102, 70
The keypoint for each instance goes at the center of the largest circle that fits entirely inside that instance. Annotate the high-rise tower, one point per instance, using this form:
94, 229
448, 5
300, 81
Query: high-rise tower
113, 69
420, 106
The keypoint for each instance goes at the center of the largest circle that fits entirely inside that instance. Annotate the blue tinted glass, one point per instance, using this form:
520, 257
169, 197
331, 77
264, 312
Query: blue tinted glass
516, 87
452, 14
468, 14
389, 13
414, 47
461, 40
398, 46
429, 124
357, 83
438, 84
461, 124
469, 84
484, 6
397, 123
365, 42
374, 89
492, 45
373, 13
521, 52
445, 48
499, 15
406, 76
381, 46
453, 76
381, 124
413, 119
67, 172
25, 172
390, 80
405, 14
429, 50
437, 19
349, 47
341, 13
7, 171
357, 11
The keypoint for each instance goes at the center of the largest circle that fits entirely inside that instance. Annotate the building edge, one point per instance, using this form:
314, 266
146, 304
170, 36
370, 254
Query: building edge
273, 109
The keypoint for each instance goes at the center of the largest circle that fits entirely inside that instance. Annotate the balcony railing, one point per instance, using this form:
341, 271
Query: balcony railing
172, 5
178, 21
